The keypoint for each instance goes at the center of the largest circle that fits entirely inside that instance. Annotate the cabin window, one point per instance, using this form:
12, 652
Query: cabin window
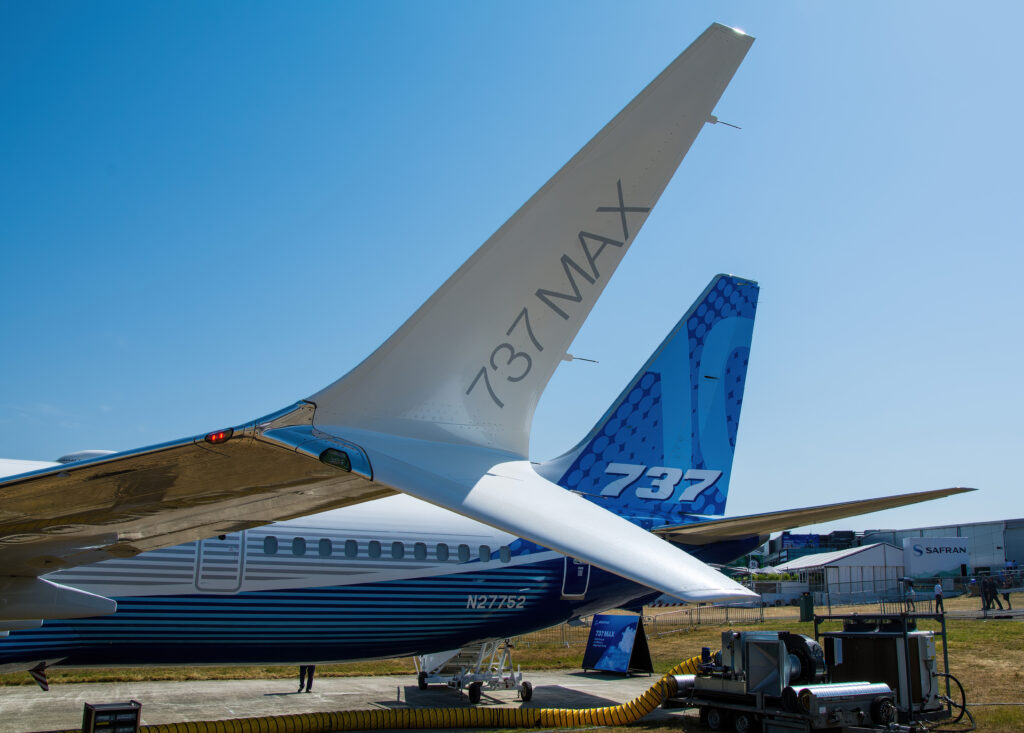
351, 548
442, 552
505, 553
397, 550
270, 545
326, 548
485, 553
299, 546
463, 553
373, 549
419, 551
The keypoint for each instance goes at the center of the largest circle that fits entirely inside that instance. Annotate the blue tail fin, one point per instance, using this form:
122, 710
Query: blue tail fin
664, 448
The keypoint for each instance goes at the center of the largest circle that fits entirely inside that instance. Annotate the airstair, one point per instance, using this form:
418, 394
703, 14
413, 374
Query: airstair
484, 665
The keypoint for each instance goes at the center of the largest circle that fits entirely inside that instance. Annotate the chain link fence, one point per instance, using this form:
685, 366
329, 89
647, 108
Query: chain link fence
656, 625
839, 598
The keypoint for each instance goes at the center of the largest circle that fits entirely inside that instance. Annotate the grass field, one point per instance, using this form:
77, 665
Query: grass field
986, 655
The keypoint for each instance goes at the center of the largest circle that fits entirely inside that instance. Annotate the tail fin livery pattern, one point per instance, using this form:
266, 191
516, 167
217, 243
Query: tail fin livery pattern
664, 449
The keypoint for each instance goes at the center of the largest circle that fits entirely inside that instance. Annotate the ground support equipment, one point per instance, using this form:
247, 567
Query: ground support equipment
474, 668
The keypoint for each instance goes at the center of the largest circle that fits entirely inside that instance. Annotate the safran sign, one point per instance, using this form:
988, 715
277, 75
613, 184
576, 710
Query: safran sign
930, 557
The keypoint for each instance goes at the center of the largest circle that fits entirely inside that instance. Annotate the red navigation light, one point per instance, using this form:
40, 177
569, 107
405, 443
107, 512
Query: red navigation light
221, 436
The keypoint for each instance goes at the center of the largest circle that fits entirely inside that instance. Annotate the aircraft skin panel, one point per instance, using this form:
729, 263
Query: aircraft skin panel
393, 618
345, 559
470, 365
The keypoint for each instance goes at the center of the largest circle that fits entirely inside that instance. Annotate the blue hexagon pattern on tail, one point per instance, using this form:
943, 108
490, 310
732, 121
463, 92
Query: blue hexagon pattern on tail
662, 453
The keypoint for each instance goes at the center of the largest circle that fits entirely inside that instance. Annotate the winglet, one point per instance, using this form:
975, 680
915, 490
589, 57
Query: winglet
470, 365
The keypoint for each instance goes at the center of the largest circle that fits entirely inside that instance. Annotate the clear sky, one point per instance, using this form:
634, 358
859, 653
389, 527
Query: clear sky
210, 210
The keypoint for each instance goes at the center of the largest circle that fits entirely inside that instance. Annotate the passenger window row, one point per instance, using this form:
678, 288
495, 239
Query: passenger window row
350, 550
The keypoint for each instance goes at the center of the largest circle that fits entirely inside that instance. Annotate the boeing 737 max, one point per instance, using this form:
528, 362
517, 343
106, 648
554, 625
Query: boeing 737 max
441, 412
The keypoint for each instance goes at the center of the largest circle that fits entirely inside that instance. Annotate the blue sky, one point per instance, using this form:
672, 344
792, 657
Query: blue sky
209, 211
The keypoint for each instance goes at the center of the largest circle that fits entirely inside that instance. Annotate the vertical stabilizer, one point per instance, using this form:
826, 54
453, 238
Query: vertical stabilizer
664, 448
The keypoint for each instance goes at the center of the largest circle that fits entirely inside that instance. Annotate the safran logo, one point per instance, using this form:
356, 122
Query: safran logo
920, 551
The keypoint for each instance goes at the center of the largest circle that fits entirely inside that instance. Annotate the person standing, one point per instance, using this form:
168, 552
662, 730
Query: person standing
1006, 585
306, 676
939, 607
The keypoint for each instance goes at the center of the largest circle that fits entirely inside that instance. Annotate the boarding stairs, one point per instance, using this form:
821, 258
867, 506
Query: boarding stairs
484, 664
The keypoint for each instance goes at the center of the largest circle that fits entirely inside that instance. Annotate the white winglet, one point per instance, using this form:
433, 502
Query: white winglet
443, 408
470, 365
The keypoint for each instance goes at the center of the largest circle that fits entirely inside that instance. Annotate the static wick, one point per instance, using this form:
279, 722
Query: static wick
570, 357
715, 121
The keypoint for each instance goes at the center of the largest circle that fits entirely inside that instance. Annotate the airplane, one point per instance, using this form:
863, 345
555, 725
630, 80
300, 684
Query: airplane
400, 577
441, 413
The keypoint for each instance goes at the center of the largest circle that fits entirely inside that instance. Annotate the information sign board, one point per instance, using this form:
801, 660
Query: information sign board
617, 644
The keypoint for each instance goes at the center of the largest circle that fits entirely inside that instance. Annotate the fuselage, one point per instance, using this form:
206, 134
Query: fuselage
391, 577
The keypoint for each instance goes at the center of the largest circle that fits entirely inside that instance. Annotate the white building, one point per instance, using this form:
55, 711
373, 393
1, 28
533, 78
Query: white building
867, 573
991, 544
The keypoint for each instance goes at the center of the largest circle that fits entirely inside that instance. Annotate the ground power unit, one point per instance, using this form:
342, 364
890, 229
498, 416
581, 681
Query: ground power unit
903, 661
878, 673
777, 681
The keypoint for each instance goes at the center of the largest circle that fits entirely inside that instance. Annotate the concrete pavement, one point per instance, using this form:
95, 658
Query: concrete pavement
27, 708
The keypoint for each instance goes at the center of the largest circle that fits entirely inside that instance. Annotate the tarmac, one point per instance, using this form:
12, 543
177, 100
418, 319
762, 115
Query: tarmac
25, 708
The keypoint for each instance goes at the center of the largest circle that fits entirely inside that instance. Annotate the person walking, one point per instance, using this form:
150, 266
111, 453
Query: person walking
306, 676
988, 589
909, 598
1006, 585
939, 607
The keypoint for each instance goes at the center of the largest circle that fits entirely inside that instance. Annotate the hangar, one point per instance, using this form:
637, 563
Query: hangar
991, 545
864, 573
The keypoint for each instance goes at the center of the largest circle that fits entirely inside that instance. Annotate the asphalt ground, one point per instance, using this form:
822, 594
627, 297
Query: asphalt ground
27, 708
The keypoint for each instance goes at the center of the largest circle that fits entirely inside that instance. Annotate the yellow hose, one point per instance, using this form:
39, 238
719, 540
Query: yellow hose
477, 717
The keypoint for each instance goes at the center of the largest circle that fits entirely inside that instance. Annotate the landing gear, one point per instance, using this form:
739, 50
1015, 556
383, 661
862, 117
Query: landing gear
421, 680
474, 692
526, 691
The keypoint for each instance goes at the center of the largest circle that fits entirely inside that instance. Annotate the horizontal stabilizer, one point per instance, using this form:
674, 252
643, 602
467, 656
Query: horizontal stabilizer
734, 528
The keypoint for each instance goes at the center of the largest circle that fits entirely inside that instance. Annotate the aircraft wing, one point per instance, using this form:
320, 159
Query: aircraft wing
734, 528
164, 495
459, 380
